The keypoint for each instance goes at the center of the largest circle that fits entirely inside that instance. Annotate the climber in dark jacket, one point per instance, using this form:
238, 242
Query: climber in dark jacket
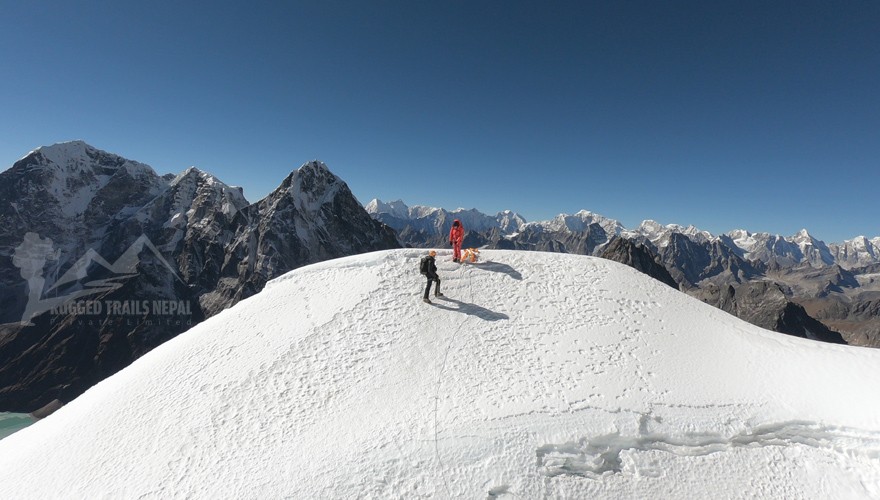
429, 270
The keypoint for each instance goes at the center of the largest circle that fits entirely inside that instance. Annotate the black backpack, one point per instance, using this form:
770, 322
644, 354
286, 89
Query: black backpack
424, 266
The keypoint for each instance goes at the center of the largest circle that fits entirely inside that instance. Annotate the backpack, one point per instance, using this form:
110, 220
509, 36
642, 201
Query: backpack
424, 267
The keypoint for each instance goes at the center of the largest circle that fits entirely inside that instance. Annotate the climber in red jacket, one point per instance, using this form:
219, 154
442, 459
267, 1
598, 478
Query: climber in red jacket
456, 236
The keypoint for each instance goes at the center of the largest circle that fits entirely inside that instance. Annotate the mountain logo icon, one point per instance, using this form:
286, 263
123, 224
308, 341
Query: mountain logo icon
31, 256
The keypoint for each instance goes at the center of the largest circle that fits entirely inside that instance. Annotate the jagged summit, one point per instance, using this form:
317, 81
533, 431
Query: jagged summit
193, 171
311, 177
313, 189
396, 208
313, 168
196, 174
196, 192
317, 184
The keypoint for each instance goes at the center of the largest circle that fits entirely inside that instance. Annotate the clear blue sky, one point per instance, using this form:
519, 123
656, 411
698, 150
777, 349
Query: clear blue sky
737, 114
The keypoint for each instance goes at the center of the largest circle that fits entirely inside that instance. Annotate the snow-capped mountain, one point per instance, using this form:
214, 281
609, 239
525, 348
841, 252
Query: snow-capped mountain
396, 209
73, 175
660, 235
775, 249
538, 376
413, 222
576, 223
566, 234
68, 192
857, 252
157, 254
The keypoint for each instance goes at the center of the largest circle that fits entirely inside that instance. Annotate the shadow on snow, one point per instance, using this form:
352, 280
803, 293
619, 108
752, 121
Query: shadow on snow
470, 309
498, 267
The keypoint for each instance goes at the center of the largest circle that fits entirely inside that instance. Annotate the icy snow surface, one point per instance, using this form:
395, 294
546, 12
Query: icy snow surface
540, 376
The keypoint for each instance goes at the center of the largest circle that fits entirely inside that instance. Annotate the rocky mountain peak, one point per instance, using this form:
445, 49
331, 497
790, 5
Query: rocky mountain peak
509, 221
650, 226
190, 173
311, 185
195, 190
802, 235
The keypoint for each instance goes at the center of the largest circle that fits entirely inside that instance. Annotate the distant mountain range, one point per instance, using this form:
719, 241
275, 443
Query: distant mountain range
742, 272
786, 251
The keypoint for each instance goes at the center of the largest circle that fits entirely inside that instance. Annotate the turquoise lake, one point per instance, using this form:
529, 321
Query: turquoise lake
13, 422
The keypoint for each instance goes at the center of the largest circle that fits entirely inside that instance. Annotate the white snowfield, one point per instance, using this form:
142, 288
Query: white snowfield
540, 376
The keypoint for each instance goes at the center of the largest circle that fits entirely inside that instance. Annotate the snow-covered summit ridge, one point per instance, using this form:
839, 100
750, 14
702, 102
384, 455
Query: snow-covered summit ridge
75, 174
75, 156
540, 375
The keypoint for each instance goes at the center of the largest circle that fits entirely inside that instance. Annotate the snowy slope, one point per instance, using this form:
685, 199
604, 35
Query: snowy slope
541, 376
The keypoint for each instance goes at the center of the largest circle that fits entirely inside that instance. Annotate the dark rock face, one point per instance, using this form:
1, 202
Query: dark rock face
692, 263
536, 238
143, 258
638, 257
794, 320
764, 304
62, 355
861, 307
311, 217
